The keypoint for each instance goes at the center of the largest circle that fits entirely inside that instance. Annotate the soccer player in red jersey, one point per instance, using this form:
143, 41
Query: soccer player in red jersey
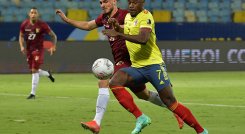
121, 60
32, 32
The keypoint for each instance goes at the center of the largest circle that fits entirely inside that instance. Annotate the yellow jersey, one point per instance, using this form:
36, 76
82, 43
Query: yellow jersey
142, 54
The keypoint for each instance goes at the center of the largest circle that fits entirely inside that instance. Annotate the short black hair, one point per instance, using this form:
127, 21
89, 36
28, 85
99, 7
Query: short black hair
34, 8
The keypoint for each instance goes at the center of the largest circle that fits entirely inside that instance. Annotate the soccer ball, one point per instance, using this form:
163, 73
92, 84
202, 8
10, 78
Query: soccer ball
103, 68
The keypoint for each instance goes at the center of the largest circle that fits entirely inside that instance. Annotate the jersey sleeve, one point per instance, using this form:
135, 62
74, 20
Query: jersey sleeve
98, 20
22, 27
146, 20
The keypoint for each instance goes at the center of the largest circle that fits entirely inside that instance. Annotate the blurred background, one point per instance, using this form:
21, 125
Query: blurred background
193, 35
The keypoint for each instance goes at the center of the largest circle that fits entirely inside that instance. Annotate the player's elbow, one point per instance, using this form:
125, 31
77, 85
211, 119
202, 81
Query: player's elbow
143, 41
86, 28
21, 38
55, 36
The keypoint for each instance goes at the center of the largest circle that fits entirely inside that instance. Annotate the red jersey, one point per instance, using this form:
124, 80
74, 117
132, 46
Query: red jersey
118, 45
34, 34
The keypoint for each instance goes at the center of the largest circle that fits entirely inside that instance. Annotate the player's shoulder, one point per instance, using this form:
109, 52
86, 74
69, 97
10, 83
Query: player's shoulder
146, 13
121, 14
101, 16
41, 22
25, 22
128, 16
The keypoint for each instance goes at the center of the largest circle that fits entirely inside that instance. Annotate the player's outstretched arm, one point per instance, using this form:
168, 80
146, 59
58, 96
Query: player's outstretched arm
141, 38
21, 42
54, 41
84, 25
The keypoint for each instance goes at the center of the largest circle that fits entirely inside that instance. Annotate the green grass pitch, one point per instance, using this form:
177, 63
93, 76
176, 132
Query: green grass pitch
217, 99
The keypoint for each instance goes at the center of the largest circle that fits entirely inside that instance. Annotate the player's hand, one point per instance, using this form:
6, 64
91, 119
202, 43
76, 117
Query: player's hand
23, 50
110, 32
61, 14
52, 50
114, 23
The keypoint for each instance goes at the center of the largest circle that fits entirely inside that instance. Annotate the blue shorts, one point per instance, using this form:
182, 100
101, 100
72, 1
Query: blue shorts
156, 74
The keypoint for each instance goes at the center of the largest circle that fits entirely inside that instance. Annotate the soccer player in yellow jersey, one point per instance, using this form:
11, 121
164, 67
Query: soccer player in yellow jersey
147, 63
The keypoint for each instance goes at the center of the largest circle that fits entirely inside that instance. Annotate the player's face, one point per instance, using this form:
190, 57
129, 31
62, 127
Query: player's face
107, 6
33, 14
135, 7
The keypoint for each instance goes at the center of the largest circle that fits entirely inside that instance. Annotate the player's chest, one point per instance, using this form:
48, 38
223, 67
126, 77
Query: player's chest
32, 32
32, 29
132, 27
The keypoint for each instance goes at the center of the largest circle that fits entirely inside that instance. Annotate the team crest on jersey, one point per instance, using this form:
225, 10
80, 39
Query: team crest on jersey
136, 22
145, 11
37, 30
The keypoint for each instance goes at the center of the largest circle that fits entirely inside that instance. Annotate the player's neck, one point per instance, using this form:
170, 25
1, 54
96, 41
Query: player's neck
137, 13
33, 21
114, 11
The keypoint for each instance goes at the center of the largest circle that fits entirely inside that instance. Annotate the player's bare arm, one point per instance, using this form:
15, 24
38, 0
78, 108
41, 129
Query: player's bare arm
84, 25
21, 42
141, 38
54, 41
